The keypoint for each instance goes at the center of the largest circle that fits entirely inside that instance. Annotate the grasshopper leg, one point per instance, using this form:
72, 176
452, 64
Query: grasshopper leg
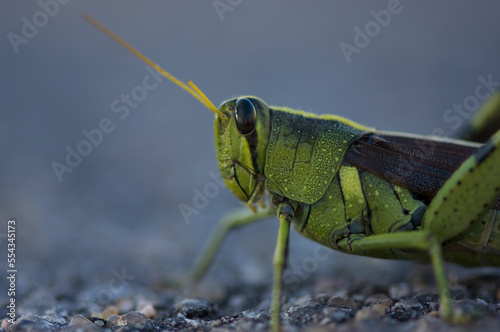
467, 195
484, 122
279, 262
230, 221
422, 240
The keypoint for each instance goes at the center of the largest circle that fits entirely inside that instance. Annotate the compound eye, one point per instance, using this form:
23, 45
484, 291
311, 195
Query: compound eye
245, 115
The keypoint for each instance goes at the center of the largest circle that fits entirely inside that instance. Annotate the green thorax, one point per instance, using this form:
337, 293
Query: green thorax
305, 151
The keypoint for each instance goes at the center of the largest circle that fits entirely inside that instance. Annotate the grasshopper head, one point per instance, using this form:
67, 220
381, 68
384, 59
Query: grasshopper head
241, 138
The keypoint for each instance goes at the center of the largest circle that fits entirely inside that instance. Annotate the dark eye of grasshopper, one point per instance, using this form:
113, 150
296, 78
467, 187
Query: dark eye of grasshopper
245, 115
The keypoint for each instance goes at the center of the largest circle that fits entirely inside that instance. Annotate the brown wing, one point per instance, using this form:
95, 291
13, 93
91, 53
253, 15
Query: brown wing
417, 163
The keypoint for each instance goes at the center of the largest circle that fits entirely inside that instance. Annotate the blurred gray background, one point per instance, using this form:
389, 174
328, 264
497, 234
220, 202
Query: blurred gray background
120, 206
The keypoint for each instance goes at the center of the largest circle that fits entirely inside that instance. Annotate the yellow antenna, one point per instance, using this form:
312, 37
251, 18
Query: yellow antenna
192, 89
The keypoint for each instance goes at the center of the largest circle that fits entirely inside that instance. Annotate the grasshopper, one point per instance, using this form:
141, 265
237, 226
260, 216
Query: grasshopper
354, 189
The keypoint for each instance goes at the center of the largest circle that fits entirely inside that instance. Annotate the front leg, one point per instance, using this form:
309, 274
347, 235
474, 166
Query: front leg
230, 221
285, 213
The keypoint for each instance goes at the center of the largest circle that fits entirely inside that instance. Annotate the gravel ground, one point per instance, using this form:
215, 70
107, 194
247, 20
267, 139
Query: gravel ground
346, 303
103, 246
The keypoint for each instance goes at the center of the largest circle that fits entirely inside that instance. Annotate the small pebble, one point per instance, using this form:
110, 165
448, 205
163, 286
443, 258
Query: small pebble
131, 319
135, 317
96, 314
378, 299
380, 308
367, 313
79, 322
322, 298
146, 308
115, 321
196, 308
110, 310
338, 301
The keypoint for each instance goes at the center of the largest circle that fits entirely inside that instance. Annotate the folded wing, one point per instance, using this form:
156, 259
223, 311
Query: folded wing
417, 163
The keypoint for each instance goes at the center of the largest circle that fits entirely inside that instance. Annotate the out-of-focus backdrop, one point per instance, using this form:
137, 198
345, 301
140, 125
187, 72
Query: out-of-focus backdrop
395, 65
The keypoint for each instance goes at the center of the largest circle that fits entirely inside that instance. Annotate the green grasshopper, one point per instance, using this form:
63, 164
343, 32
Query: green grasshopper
354, 189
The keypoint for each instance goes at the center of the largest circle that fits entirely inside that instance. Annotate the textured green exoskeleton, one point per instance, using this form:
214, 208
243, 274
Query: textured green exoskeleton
354, 189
